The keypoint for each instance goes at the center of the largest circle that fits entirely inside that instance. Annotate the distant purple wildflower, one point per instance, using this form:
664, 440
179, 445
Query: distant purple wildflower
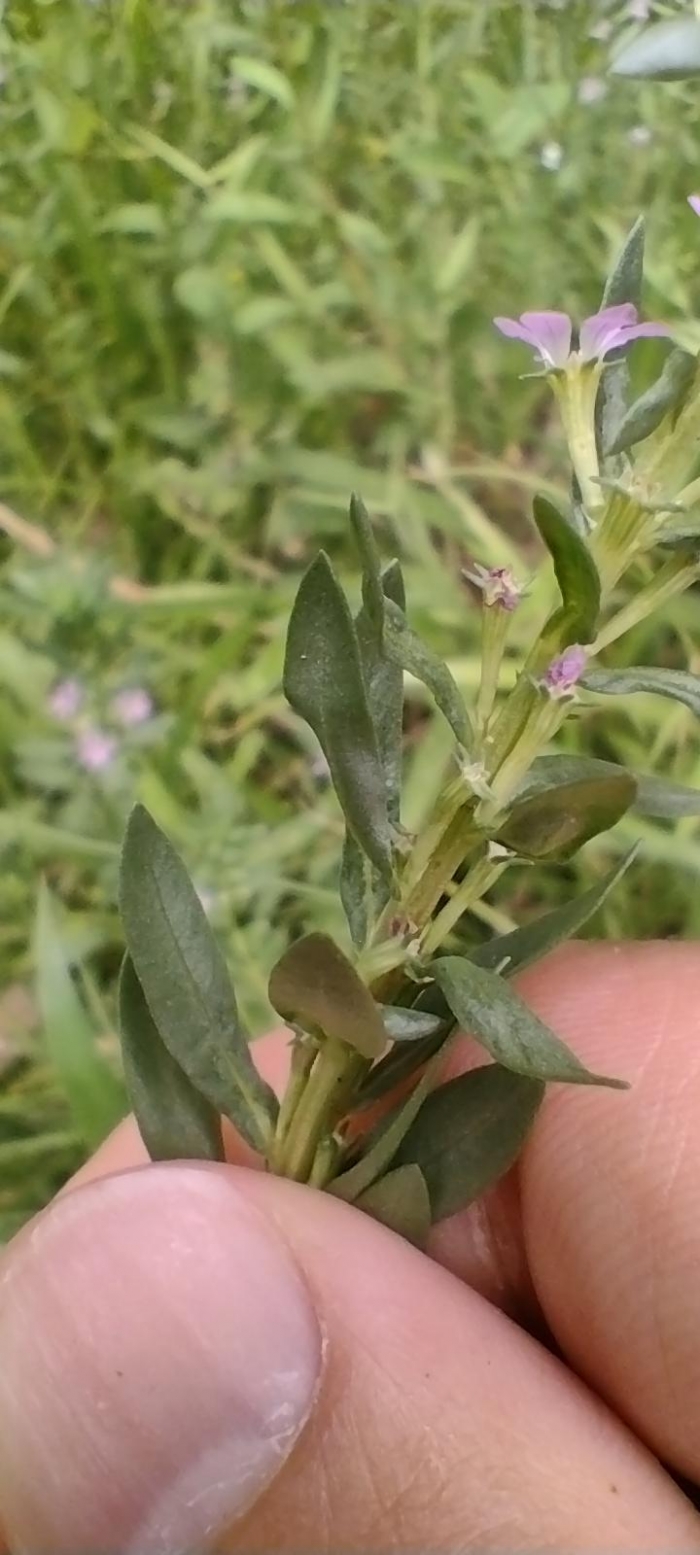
498, 585
565, 671
95, 749
65, 699
694, 203
133, 705
551, 334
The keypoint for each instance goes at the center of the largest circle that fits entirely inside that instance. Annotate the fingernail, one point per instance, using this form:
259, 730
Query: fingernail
159, 1356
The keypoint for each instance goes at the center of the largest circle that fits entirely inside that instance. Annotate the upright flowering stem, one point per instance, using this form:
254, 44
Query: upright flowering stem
576, 393
501, 595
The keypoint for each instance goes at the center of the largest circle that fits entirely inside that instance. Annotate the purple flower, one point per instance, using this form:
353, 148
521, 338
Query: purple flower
131, 706
550, 334
564, 672
694, 203
65, 699
95, 749
498, 585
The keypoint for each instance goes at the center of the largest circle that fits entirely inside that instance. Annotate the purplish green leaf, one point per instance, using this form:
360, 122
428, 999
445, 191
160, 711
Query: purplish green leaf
405, 648
665, 395
400, 1201
558, 812
575, 570
315, 985
511, 953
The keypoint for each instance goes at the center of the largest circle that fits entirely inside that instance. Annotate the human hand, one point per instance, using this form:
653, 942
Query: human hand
202, 1356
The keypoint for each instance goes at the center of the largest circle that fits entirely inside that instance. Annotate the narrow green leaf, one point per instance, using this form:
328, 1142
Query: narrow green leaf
372, 589
409, 1025
656, 797
680, 537
557, 815
668, 51
315, 985
405, 648
93, 1092
575, 570
680, 685
384, 681
511, 953
323, 682
661, 799
404, 1059
356, 892
665, 395
468, 1133
400, 1201
492, 1012
175, 1121
624, 284
185, 981
383, 1143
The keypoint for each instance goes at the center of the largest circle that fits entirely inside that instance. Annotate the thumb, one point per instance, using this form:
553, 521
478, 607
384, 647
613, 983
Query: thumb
170, 1380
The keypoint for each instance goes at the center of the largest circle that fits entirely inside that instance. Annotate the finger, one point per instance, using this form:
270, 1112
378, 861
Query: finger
609, 1182
194, 1355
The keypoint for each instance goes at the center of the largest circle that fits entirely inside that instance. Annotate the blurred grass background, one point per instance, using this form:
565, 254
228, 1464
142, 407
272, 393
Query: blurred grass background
248, 260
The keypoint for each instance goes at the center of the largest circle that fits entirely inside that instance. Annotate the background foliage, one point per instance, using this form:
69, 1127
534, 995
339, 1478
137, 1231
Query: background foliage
248, 260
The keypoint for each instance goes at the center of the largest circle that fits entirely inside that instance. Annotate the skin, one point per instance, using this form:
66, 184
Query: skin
535, 1385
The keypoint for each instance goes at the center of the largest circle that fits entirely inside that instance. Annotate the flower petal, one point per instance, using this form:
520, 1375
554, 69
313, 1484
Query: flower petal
641, 332
551, 333
694, 203
596, 330
515, 331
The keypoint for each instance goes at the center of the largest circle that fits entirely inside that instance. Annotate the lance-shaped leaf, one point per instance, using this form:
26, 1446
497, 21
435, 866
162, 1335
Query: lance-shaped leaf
682, 536
661, 799
175, 1121
400, 1201
372, 590
575, 570
656, 797
492, 1012
185, 980
668, 51
664, 396
468, 1133
323, 682
356, 890
511, 953
557, 814
405, 648
624, 284
405, 1058
679, 685
316, 986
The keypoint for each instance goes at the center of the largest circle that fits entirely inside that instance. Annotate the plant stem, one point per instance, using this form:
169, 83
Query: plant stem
335, 1072
476, 884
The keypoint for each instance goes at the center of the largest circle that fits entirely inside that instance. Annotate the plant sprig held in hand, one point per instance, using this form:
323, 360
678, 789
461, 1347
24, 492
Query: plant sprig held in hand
372, 1024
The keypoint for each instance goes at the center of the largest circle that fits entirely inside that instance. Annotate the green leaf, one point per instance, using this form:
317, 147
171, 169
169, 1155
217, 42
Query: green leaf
356, 893
405, 648
316, 986
400, 1201
404, 1025
323, 682
93, 1092
661, 799
468, 1133
680, 685
492, 1012
680, 537
668, 51
383, 1143
665, 395
175, 1121
511, 953
405, 1058
575, 570
185, 981
372, 589
264, 77
624, 284
558, 810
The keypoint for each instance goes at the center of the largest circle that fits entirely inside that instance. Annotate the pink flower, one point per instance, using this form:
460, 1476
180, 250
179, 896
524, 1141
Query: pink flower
551, 334
694, 203
95, 749
131, 706
564, 672
498, 585
65, 699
